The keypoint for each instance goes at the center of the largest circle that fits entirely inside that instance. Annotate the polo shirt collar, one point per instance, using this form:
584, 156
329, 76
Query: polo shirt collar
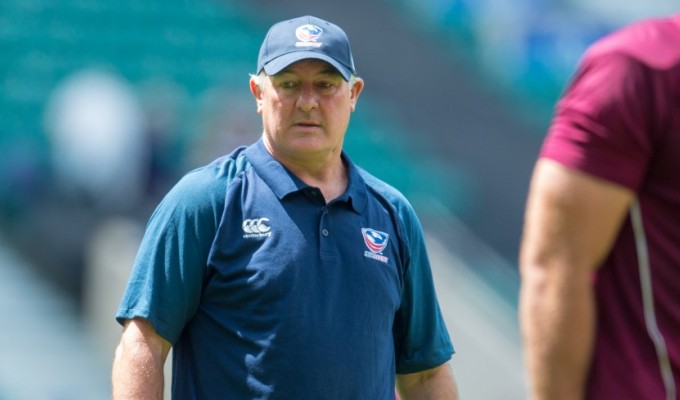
283, 182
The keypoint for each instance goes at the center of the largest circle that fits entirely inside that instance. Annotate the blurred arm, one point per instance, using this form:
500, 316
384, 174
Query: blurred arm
138, 364
571, 222
431, 384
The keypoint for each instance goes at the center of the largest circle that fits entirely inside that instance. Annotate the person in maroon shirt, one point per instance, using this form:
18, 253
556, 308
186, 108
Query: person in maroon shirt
600, 253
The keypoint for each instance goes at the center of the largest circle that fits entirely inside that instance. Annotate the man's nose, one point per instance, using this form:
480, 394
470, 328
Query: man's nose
307, 100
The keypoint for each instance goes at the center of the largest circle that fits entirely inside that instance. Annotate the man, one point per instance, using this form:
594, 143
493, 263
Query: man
600, 256
283, 271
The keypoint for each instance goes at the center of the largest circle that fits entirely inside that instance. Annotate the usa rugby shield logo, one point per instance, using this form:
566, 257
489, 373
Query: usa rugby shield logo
376, 241
308, 33
308, 36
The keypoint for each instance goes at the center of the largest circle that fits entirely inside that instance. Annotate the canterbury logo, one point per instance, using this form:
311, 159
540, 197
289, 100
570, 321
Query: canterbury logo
256, 227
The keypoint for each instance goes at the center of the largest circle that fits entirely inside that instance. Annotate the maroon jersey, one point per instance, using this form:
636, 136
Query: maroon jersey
619, 120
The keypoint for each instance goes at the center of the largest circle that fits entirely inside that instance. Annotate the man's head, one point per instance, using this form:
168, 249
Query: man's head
305, 89
305, 38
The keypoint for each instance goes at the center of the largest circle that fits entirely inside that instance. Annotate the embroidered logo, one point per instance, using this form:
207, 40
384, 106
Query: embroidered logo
376, 242
256, 228
307, 35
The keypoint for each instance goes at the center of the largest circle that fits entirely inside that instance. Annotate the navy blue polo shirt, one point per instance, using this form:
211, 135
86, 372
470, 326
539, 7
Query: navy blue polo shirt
266, 291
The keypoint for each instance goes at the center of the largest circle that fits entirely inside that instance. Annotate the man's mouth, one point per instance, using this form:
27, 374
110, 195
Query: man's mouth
307, 124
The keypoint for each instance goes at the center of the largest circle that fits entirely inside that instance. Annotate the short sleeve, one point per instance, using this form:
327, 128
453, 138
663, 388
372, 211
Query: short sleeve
167, 276
602, 123
421, 338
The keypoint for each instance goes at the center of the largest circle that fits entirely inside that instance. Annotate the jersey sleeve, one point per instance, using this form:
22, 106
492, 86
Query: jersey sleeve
166, 280
421, 338
602, 123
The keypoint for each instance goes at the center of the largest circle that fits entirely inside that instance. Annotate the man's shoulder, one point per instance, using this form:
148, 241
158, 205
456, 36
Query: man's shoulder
389, 192
207, 184
654, 42
220, 170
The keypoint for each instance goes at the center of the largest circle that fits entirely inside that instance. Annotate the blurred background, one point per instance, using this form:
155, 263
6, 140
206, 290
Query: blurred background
104, 105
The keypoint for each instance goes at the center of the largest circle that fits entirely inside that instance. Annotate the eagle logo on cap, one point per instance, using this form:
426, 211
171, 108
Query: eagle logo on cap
308, 33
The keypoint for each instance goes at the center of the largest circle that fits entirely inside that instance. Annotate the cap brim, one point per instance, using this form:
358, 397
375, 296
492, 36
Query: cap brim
276, 65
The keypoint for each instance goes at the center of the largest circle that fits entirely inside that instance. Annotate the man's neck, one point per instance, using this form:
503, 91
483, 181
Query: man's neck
331, 178
327, 172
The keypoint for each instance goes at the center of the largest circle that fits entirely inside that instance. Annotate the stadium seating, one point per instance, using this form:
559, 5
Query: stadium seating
198, 46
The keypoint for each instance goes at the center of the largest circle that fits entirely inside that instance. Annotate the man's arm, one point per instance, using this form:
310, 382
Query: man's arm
433, 384
138, 364
571, 222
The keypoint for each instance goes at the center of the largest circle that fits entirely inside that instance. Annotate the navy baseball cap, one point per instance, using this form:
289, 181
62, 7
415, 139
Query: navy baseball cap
303, 38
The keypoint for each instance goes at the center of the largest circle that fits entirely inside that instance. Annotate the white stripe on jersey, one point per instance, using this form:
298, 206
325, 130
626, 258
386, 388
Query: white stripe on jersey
648, 301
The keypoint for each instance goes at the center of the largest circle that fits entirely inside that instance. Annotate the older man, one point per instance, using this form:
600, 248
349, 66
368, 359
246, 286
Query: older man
284, 271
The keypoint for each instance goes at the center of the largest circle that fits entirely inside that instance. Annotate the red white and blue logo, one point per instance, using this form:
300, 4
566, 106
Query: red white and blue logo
376, 241
308, 33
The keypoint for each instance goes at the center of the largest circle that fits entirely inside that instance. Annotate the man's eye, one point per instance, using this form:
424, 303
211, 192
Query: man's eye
287, 85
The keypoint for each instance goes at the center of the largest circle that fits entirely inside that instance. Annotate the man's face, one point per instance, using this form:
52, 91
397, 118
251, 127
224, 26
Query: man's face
305, 111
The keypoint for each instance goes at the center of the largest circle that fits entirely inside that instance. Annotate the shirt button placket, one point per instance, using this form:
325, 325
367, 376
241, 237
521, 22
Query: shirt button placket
324, 213
326, 244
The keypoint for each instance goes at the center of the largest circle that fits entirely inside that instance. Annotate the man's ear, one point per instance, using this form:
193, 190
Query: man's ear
355, 92
257, 93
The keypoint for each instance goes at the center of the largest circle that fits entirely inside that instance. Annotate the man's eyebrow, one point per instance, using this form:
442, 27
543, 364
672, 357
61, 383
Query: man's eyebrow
285, 71
330, 71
